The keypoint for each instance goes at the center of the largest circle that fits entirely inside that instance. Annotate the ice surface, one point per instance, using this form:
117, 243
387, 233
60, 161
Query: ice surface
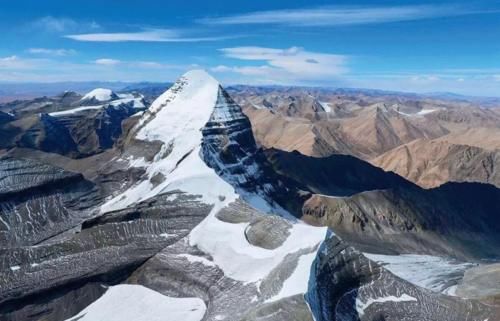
431, 272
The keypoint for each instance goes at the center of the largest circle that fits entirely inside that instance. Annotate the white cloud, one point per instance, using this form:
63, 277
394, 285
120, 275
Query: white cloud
151, 35
51, 52
334, 16
62, 24
284, 65
107, 62
14, 62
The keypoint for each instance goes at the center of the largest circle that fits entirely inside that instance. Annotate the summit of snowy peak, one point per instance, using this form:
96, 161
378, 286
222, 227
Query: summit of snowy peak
175, 120
198, 75
188, 104
100, 95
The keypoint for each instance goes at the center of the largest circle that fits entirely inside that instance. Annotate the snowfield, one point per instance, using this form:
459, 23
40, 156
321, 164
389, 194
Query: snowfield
136, 103
100, 94
242, 261
138, 303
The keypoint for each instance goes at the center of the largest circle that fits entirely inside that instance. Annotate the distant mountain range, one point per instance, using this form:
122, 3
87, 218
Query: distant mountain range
12, 91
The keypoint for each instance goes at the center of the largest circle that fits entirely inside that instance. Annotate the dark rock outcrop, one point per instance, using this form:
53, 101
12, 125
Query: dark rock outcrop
38, 201
344, 285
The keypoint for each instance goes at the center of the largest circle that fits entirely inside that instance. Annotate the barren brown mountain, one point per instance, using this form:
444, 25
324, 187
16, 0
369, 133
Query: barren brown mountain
427, 140
472, 155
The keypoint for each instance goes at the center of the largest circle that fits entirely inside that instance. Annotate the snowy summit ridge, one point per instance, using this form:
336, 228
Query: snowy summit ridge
100, 95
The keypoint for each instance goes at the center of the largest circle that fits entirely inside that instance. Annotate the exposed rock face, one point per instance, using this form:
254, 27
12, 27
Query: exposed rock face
104, 251
96, 130
76, 131
38, 201
23, 108
229, 148
344, 285
5, 118
414, 220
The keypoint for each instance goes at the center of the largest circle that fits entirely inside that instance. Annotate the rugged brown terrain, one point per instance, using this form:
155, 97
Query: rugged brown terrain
428, 140
470, 156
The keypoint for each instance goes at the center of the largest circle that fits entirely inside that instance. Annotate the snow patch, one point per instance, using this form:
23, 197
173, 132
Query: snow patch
100, 94
420, 113
326, 106
135, 102
361, 305
426, 111
138, 303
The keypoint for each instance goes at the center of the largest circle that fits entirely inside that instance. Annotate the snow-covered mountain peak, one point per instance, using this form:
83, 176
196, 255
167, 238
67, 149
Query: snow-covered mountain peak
183, 110
100, 95
204, 146
176, 119
190, 84
198, 75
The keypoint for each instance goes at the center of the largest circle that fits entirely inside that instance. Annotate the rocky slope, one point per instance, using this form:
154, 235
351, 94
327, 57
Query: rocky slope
78, 130
39, 201
382, 212
470, 156
428, 140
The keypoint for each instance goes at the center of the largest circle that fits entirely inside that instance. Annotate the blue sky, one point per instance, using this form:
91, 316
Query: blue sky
395, 45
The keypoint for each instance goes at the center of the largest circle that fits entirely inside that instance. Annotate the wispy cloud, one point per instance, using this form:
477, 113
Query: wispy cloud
337, 16
151, 35
15, 62
62, 24
19, 69
51, 52
107, 62
133, 63
284, 65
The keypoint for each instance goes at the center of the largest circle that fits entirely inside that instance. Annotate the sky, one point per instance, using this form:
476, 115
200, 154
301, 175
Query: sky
414, 46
